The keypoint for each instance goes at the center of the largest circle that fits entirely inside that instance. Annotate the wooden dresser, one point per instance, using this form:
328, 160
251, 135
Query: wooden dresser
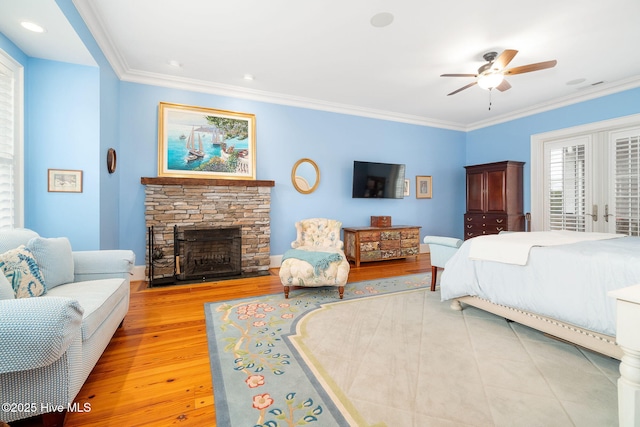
494, 198
364, 244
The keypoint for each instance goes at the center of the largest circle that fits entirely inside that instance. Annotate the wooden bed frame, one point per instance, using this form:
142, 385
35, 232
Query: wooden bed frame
590, 340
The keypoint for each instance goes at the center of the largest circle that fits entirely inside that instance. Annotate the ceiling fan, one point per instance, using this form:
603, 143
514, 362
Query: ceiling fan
491, 75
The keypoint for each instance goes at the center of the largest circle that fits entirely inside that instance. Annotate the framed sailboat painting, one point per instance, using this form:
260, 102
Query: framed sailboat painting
198, 142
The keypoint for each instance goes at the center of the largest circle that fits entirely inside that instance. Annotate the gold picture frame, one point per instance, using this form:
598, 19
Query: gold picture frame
407, 188
424, 188
64, 181
199, 142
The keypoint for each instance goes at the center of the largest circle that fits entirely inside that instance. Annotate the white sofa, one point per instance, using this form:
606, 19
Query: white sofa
50, 343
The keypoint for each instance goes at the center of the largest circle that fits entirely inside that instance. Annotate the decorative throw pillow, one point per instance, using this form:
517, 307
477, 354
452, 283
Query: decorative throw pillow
55, 259
21, 270
6, 291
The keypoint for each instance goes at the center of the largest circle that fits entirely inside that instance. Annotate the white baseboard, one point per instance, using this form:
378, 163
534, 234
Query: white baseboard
139, 273
276, 261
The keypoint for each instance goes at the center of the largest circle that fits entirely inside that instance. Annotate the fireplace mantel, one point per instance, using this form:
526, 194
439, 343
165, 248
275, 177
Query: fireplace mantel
206, 182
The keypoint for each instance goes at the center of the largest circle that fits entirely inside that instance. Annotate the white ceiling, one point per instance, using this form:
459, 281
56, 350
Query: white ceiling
326, 54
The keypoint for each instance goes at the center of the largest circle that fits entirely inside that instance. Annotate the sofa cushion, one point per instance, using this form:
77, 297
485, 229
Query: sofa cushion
6, 290
54, 259
98, 298
21, 269
11, 239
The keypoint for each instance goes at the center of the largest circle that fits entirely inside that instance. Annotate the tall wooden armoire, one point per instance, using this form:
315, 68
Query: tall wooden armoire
494, 198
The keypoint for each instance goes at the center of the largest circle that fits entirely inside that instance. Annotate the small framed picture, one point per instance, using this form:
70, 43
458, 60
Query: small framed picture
65, 181
406, 188
423, 187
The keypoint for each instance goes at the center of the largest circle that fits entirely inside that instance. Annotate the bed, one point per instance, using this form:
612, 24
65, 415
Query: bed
560, 289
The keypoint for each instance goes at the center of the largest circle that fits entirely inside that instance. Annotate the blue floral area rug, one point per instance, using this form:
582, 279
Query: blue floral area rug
259, 378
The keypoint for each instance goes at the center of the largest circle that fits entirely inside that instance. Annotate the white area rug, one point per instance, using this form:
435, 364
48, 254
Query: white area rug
407, 359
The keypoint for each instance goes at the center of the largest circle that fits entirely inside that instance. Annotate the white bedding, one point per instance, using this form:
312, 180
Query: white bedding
513, 248
565, 282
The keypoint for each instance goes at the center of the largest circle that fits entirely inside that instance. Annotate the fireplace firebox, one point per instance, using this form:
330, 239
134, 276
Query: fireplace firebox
204, 253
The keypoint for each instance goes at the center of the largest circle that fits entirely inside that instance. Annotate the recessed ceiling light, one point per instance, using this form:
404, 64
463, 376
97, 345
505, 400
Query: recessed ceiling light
248, 76
174, 63
32, 27
381, 19
576, 81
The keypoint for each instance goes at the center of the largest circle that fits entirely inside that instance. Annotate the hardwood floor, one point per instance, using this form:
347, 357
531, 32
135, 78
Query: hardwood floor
155, 371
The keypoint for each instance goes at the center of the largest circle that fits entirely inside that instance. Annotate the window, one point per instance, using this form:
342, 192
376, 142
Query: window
587, 178
11, 180
625, 148
566, 185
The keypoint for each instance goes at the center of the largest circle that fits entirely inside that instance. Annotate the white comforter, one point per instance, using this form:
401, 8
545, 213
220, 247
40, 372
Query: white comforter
513, 248
566, 282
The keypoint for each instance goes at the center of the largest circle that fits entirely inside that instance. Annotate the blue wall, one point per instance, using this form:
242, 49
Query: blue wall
62, 132
12, 50
512, 140
286, 134
107, 91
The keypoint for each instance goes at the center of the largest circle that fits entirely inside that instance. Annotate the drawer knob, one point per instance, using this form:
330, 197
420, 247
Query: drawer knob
499, 228
469, 219
499, 221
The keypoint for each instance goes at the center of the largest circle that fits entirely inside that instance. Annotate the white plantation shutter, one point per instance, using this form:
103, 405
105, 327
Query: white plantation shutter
627, 182
587, 178
565, 189
10, 167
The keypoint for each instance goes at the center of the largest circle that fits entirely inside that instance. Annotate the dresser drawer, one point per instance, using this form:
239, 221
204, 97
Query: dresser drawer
389, 244
390, 235
369, 236
369, 246
483, 224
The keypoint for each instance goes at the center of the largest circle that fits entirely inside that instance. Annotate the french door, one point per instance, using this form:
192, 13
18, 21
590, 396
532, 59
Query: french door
587, 181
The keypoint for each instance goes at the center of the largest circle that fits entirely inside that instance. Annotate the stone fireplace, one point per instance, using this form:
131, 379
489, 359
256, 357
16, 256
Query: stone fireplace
192, 203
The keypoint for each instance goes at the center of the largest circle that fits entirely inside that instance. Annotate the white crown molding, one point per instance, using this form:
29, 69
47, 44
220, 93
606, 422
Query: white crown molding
124, 73
97, 29
584, 95
278, 98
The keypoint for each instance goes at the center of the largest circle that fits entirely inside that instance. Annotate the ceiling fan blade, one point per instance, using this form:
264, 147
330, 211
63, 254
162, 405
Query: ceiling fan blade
504, 59
458, 75
503, 86
531, 67
462, 88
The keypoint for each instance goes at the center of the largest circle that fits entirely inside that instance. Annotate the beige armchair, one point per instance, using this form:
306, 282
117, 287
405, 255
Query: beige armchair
316, 258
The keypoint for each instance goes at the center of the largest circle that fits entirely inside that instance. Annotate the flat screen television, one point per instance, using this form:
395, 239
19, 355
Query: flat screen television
378, 180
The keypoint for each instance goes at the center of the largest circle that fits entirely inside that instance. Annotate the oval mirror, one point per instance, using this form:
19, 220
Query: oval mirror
305, 176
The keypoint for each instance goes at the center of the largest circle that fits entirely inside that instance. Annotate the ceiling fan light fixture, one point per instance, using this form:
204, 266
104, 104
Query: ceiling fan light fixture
490, 80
